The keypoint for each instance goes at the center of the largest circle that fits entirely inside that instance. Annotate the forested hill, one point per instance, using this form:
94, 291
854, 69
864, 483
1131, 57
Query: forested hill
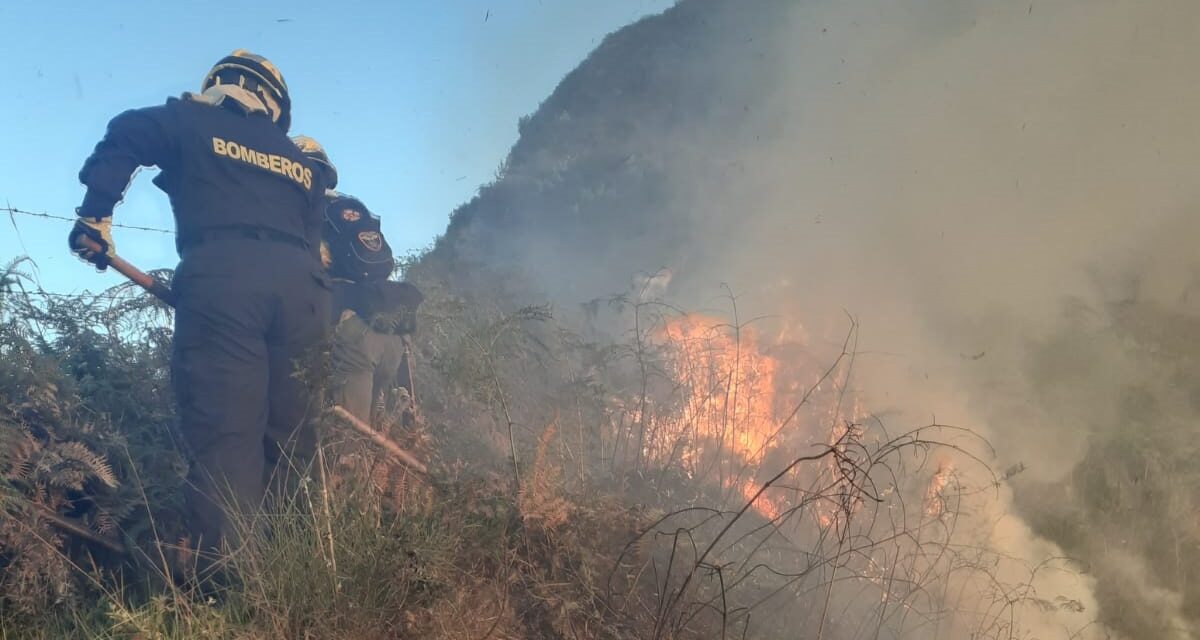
595, 188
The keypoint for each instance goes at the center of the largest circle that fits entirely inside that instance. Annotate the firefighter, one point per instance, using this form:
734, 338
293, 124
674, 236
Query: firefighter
373, 315
252, 298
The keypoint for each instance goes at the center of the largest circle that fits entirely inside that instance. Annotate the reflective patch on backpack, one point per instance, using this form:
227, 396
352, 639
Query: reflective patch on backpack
357, 244
371, 240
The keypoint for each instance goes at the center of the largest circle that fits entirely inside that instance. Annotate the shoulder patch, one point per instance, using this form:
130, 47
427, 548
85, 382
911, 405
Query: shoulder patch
350, 215
371, 240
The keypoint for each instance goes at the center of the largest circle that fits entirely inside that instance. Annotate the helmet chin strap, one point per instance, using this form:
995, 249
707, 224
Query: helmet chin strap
272, 107
249, 101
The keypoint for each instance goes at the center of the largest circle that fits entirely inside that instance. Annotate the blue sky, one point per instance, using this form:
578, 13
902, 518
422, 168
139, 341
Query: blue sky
416, 102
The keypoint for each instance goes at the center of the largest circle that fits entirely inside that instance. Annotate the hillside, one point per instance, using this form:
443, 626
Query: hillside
591, 192
701, 362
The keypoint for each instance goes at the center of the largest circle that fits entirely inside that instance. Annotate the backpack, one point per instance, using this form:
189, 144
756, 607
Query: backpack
357, 248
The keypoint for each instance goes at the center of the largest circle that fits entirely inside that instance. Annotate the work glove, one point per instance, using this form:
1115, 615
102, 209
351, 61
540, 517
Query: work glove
99, 231
401, 322
395, 307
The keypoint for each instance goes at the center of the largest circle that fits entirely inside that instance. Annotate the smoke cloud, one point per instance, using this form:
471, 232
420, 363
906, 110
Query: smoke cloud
1001, 193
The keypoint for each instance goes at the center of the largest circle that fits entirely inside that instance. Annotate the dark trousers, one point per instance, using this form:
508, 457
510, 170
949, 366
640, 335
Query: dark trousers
251, 318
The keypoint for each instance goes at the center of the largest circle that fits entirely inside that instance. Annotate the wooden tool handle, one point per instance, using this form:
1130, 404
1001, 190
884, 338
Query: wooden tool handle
381, 440
137, 276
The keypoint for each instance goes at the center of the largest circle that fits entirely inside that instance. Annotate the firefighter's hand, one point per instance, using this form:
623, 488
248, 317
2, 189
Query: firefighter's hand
91, 240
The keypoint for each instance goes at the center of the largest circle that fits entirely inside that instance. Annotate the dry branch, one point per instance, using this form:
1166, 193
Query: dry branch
77, 529
384, 442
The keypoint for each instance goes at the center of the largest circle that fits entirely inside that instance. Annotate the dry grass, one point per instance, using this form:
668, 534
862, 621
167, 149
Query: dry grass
680, 485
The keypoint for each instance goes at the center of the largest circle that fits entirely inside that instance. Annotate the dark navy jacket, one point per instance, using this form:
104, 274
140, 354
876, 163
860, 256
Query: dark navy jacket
220, 166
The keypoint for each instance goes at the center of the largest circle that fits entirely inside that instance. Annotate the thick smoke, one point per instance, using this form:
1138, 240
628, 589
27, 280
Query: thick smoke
968, 166
1002, 193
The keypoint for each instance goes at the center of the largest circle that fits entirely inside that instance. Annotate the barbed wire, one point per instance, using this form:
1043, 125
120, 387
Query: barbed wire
51, 216
75, 296
123, 292
119, 292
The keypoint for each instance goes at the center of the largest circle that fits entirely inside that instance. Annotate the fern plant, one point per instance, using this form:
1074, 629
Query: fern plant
86, 450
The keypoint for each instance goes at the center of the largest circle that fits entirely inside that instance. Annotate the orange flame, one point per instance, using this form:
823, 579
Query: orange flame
935, 499
735, 397
731, 385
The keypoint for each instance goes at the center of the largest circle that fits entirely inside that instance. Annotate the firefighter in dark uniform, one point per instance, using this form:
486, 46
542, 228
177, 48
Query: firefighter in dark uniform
373, 315
252, 301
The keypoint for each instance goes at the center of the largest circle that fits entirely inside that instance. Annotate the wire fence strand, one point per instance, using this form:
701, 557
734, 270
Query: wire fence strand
51, 216
112, 294
55, 295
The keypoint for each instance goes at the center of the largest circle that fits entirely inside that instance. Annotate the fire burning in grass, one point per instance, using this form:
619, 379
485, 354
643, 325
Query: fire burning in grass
935, 497
728, 405
735, 416
738, 414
